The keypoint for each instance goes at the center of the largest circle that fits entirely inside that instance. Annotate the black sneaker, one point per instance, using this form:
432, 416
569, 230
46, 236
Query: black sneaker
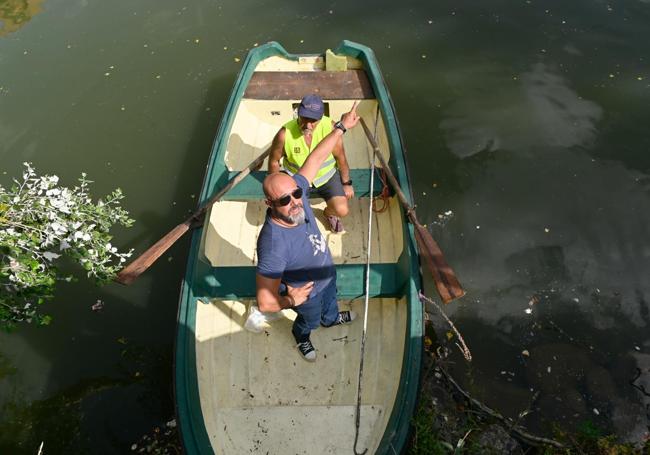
307, 350
345, 317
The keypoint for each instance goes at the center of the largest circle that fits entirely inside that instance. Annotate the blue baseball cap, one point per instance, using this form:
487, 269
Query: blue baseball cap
311, 106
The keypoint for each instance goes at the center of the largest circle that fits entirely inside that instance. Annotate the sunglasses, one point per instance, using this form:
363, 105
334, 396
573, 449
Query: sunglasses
284, 200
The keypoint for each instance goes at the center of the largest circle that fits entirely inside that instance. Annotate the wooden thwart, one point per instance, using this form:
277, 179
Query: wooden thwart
291, 85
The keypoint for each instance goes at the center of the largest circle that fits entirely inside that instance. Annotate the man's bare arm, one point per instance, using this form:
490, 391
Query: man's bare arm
313, 162
269, 299
277, 150
341, 160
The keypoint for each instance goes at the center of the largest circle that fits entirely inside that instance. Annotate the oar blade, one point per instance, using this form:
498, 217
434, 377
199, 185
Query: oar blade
447, 284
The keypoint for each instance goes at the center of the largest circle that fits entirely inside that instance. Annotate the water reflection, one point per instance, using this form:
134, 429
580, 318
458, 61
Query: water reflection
538, 109
16, 13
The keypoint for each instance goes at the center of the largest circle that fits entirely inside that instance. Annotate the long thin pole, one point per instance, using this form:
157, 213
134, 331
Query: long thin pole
366, 300
132, 271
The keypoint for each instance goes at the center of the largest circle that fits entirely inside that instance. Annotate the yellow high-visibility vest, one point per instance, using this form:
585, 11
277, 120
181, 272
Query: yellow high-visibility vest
296, 150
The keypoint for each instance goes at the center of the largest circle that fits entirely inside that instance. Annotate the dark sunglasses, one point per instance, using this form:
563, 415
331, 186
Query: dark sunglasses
284, 200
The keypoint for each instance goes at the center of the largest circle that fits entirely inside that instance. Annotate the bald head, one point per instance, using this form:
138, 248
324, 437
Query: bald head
278, 184
281, 185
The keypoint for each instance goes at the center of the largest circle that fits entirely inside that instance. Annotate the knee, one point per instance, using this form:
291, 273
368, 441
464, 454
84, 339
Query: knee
342, 209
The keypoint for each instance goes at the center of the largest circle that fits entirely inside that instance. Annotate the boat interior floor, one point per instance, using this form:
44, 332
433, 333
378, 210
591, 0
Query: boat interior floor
256, 389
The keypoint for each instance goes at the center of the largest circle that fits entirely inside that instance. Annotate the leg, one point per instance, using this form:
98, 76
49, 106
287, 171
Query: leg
330, 306
337, 206
307, 320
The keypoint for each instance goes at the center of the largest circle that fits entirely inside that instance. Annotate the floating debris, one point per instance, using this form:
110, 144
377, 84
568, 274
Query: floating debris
528, 310
97, 306
596, 411
525, 353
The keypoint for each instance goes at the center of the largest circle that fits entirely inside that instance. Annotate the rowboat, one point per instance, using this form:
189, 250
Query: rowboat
243, 392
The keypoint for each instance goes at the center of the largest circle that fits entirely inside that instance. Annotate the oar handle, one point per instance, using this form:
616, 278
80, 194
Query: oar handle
444, 277
132, 271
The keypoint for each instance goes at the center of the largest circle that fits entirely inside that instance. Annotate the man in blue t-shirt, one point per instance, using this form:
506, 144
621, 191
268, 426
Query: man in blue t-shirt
295, 268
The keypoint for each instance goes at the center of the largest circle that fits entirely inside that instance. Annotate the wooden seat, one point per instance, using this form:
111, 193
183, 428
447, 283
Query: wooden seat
289, 85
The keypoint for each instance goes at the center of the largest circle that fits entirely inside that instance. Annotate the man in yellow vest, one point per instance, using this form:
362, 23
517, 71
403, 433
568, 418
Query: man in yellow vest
293, 144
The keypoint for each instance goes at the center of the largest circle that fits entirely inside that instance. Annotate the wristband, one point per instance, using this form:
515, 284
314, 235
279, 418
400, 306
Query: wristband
340, 126
348, 183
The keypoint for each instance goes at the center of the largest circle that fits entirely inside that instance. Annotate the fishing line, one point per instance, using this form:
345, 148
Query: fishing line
357, 416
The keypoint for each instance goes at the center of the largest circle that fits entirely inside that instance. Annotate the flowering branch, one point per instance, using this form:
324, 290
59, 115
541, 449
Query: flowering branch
40, 222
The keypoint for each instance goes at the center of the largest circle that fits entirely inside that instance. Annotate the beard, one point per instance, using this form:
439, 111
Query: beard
298, 218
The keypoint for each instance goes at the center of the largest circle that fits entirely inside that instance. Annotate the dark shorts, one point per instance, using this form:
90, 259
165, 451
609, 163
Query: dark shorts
333, 187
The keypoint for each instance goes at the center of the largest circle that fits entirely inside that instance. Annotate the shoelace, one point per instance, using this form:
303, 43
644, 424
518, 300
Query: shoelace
306, 346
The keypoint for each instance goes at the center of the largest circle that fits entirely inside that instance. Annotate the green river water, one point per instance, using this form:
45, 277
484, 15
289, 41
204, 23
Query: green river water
527, 120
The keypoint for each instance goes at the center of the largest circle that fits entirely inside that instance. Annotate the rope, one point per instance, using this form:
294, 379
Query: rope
357, 416
383, 196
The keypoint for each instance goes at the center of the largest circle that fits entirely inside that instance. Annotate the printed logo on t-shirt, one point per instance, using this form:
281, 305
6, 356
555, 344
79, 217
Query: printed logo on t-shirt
318, 242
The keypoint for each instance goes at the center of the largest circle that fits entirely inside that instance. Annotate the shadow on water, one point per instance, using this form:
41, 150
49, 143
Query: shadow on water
84, 416
551, 359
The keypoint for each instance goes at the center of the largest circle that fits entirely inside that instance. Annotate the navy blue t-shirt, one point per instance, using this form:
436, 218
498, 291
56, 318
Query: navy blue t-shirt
296, 254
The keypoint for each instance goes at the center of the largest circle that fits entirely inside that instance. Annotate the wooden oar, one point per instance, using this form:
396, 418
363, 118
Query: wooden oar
446, 282
132, 271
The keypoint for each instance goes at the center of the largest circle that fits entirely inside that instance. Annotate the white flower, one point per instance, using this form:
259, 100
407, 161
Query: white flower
86, 237
78, 235
49, 255
64, 245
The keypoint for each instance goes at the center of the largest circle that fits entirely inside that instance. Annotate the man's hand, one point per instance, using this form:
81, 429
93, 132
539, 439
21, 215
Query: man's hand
349, 191
301, 294
350, 119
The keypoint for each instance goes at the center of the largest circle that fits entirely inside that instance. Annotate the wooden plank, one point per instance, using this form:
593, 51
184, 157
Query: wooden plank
292, 85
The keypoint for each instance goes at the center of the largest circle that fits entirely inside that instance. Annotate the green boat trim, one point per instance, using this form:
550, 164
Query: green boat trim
194, 435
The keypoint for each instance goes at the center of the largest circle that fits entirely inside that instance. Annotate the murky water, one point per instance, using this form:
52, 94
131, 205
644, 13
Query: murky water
527, 120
